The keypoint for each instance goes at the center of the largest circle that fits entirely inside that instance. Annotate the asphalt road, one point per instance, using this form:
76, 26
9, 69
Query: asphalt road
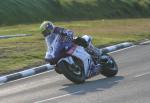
131, 85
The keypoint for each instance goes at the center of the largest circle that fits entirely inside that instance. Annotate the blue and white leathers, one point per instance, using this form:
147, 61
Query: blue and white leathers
60, 48
74, 61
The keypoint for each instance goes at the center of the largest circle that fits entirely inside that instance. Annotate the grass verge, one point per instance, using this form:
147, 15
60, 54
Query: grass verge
24, 52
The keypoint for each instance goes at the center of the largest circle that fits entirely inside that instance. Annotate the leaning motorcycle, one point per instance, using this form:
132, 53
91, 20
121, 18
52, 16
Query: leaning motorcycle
74, 62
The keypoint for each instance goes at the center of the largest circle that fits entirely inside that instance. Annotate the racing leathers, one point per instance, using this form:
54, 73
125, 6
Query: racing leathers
85, 41
65, 35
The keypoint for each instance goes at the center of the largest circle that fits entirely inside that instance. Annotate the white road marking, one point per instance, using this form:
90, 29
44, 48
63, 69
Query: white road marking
61, 96
142, 74
122, 49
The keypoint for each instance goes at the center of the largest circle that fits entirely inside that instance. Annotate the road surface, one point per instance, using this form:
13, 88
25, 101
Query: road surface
131, 85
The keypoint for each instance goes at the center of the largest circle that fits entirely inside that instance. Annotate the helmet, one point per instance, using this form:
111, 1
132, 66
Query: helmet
47, 27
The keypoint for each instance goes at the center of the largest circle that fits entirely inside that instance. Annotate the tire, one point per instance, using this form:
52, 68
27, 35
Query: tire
111, 70
69, 72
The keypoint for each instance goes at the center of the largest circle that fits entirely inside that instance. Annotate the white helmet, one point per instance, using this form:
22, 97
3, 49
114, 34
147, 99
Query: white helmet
47, 27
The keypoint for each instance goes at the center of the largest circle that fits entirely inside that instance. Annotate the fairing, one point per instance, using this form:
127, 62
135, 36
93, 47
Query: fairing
57, 45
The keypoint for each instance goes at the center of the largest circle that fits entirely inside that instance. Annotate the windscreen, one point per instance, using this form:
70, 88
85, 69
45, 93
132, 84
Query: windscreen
56, 46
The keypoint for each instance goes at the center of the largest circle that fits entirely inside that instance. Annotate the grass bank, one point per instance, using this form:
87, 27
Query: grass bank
25, 52
31, 11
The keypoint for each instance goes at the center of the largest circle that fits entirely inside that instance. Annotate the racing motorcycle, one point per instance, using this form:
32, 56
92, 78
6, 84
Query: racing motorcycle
74, 62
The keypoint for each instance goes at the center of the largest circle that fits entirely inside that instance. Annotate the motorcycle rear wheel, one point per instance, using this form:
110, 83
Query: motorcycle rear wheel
109, 70
74, 73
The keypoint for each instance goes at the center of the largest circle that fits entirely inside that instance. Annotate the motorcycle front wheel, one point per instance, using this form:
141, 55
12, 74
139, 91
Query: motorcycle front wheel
74, 72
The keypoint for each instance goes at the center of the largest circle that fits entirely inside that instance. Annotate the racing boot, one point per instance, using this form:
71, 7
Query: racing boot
99, 57
95, 53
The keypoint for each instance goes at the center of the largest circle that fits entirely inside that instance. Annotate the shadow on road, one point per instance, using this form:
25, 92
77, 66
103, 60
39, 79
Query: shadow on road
92, 86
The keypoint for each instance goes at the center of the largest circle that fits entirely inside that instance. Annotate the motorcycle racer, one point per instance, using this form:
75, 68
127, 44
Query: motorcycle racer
66, 44
48, 28
75, 57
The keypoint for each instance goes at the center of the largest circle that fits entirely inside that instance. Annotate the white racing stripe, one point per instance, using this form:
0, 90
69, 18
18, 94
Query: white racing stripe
61, 96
